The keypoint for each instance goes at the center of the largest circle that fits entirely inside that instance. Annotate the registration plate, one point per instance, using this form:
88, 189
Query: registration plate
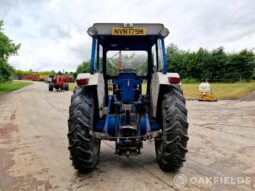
129, 31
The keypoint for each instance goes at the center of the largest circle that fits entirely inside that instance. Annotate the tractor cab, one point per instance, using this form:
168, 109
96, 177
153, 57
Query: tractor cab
127, 55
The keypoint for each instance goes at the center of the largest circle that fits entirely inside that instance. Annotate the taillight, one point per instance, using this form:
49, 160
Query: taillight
82, 82
174, 80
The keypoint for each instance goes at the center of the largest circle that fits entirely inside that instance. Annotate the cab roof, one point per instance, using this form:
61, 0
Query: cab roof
126, 38
151, 28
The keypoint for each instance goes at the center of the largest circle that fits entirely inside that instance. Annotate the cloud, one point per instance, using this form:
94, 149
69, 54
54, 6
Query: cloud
224, 22
53, 32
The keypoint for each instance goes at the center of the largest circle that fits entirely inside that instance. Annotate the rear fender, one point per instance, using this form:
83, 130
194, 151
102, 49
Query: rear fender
157, 82
95, 80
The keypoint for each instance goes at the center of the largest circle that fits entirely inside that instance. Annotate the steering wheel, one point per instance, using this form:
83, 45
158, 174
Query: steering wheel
128, 71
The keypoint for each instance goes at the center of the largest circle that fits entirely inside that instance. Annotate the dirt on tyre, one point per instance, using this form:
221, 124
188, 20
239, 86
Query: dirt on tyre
171, 147
83, 112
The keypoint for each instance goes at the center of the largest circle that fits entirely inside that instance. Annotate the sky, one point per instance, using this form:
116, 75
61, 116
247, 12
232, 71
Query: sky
53, 33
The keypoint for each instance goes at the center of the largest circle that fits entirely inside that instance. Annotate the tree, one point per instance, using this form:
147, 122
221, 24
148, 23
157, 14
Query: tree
240, 66
202, 64
7, 48
176, 59
84, 67
215, 65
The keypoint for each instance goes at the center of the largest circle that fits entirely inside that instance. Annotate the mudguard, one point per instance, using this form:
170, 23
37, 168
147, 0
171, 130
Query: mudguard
96, 80
159, 79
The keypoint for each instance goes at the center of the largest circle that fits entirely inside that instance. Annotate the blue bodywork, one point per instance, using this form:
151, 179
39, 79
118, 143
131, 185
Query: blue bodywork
125, 86
92, 65
164, 55
113, 123
127, 83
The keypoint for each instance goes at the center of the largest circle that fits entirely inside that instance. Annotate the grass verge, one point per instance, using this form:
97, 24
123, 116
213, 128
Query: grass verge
12, 86
71, 86
220, 90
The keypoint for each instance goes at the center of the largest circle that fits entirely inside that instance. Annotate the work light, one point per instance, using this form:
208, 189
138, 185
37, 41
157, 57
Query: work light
164, 32
92, 31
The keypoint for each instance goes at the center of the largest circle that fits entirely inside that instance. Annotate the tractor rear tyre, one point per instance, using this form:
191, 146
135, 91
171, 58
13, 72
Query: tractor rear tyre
50, 87
172, 146
83, 113
66, 86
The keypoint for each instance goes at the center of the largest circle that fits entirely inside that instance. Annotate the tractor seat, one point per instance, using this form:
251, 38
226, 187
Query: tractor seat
125, 85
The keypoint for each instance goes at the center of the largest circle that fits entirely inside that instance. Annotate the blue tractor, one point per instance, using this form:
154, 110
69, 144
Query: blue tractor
128, 97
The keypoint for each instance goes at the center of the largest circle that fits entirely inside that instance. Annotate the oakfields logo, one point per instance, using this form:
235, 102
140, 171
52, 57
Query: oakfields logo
180, 180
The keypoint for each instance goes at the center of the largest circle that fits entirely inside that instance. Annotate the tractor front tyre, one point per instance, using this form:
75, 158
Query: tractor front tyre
66, 86
83, 113
172, 146
50, 87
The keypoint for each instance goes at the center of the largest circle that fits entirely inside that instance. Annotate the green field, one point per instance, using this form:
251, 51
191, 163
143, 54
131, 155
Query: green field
12, 86
220, 90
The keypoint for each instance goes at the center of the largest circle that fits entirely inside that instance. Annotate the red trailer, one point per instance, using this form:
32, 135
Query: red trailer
33, 77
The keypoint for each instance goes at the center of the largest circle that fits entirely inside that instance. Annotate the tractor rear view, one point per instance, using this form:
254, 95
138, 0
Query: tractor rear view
59, 82
128, 97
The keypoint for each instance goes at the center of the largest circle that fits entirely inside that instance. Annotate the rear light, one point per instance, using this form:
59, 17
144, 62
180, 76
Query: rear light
174, 80
82, 82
